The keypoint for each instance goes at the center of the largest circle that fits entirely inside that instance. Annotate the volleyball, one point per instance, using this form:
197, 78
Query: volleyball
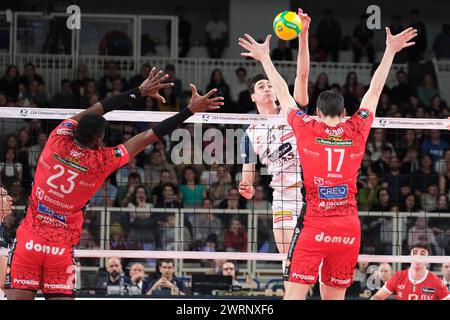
287, 25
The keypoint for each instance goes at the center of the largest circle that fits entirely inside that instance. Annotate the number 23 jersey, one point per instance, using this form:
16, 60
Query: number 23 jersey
66, 178
331, 158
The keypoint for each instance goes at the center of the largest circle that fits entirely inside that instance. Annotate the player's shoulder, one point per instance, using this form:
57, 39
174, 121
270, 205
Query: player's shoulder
434, 277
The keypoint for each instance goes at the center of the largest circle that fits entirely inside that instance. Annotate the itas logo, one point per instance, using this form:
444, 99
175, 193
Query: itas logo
76, 154
305, 277
23, 112
54, 251
321, 237
336, 192
40, 193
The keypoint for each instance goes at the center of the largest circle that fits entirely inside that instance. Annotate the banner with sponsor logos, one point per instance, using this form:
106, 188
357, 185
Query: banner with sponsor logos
213, 118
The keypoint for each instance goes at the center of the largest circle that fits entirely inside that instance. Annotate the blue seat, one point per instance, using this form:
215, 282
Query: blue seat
274, 284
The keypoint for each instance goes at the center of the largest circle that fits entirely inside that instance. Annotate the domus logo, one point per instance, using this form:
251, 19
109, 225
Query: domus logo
54, 251
321, 237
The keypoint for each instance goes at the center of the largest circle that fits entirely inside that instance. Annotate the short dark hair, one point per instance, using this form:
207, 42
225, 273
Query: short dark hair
91, 127
330, 103
161, 261
254, 80
241, 69
64, 81
421, 245
29, 64
170, 66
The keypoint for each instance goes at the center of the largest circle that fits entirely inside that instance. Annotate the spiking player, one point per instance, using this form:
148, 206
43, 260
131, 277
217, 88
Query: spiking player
275, 145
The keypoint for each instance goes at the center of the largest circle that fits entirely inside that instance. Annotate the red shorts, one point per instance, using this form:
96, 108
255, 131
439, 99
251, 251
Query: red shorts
324, 247
36, 264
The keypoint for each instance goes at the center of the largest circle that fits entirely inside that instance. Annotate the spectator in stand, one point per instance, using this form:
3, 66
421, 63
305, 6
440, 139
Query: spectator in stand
381, 166
135, 81
259, 201
167, 234
218, 190
233, 200
396, 27
105, 84
191, 190
65, 99
415, 52
11, 143
169, 198
141, 218
426, 176
360, 276
444, 182
348, 89
435, 146
9, 83
157, 192
378, 142
177, 84
23, 144
172, 102
366, 166
362, 42
239, 85
437, 107
322, 84
117, 240
429, 199
329, 35
36, 94
216, 34
408, 141
90, 94
411, 164
368, 195
153, 169
123, 173
223, 89
29, 76
317, 54
10, 169
17, 193
282, 52
167, 284
384, 201
441, 44
35, 151
235, 236
81, 80
403, 90
105, 196
421, 232
394, 178
382, 275
205, 224
410, 204
443, 164
427, 90
125, 193
138, 279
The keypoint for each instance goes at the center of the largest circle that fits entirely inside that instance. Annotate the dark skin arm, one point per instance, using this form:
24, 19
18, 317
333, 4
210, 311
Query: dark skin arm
148, 88
197, 103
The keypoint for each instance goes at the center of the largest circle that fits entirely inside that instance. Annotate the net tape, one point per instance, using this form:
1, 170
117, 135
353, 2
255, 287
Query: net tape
213, 118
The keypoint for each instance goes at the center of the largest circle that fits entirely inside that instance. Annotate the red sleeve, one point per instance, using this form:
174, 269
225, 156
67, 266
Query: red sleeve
64, 129
442, 291
361, 122
391, 284
298, 118
114, 158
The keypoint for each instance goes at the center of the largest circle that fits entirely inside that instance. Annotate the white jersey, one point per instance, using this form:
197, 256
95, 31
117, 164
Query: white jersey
276, 147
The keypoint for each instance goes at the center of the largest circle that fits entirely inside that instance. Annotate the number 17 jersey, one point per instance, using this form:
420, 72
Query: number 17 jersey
66, 178
330, 160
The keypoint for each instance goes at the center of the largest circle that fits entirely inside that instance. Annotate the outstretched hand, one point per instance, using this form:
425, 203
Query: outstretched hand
155, 81
400, 41
306, 21
246, 190
200, 103
255, 50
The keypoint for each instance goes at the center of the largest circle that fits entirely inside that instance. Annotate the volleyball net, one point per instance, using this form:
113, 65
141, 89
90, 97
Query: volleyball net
179, 198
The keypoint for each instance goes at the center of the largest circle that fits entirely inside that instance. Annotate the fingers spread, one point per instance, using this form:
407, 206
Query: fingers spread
194, 89
211, 92
249, 37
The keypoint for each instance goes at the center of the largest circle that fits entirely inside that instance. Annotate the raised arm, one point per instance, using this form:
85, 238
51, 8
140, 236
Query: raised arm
197, 103
261, 53
301, 80
393, 45
149, 87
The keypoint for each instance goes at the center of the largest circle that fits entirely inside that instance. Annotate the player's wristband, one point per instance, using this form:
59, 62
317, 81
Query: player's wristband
123, 99
170, 124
